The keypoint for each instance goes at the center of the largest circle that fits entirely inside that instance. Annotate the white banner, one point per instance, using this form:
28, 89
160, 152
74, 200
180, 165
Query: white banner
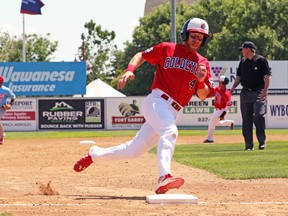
279, 69
277, 111
124, 113
197, 113
22, 116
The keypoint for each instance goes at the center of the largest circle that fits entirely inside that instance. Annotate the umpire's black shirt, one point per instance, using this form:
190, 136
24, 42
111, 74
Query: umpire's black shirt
252, 72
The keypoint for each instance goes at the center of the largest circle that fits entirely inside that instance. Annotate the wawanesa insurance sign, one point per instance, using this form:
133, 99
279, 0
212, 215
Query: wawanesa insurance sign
44, 78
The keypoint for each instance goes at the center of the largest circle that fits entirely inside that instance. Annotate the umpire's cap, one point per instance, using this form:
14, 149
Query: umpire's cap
248, 44
224, 80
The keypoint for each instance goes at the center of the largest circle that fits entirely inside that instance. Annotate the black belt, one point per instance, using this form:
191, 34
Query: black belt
252, 89
175, 105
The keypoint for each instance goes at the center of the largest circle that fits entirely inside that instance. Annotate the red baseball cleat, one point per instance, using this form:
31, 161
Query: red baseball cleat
83, 163
86, 161
168, 182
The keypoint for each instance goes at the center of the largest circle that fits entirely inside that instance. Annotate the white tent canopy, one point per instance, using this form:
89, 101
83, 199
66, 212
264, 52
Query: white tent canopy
98, 88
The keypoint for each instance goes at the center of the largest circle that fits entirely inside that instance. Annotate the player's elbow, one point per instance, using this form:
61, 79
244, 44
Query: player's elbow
202, 94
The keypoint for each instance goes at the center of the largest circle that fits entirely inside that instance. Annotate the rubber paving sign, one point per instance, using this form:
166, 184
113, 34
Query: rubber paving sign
71, 114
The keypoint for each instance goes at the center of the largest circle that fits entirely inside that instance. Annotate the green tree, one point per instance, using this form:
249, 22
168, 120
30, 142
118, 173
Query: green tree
38, 48
231, 23
234, 21
97, 50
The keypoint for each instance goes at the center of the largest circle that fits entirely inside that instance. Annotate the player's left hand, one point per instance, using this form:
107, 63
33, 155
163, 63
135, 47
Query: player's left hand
7, 106
263, 95
202, 72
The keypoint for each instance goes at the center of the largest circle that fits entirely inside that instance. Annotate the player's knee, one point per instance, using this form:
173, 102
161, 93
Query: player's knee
137, 147
257, 117
168, 139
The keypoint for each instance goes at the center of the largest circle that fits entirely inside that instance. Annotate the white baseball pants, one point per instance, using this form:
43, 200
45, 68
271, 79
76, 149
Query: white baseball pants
214, 121
159, 129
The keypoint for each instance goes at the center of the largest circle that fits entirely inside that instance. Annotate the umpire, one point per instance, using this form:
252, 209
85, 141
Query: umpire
254, 75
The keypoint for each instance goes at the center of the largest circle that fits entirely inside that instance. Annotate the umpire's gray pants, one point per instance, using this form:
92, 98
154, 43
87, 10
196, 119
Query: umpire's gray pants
252, 110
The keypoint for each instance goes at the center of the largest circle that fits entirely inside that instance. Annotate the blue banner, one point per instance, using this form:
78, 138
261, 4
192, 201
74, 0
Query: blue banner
44, 78
32, 7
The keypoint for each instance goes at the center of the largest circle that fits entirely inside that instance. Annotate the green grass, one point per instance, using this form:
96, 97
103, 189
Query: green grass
67, 134
115, 133
5, 214
231, 161
228, 161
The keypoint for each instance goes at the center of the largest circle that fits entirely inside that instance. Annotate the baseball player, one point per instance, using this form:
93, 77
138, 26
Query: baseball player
5, 93
222, 105
180, 73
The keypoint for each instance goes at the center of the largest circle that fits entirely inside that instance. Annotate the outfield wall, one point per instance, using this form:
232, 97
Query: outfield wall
197, 113
31, 114
42, 79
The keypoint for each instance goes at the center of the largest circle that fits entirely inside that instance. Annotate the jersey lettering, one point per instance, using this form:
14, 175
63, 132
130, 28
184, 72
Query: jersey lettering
149, 50
192, 84
181, 63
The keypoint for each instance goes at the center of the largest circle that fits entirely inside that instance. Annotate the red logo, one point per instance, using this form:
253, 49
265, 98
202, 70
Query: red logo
203, 26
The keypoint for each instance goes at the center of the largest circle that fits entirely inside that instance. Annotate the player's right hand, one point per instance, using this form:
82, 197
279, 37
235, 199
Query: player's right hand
202, 72
125, 77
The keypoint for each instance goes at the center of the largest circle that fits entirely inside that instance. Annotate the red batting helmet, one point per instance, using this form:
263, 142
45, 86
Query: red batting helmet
1, 79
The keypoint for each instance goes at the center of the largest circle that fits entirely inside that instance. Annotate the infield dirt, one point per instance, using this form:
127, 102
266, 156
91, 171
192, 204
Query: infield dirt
37, 178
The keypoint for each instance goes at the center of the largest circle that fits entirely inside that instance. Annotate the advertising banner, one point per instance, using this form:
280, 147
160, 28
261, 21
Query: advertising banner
71, 114
22, 116
124, 113
44, 78
279, 69
277, 111
197, 113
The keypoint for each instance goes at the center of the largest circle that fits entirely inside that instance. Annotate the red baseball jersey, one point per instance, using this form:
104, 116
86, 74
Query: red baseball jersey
222, 98
176, 70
